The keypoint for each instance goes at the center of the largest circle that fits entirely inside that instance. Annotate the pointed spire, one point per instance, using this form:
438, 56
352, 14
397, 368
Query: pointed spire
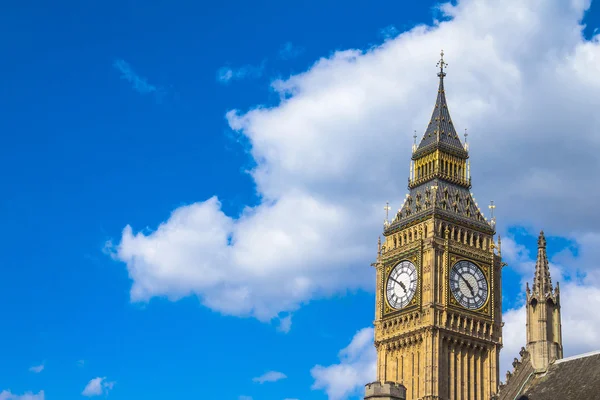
440, 132
542, 283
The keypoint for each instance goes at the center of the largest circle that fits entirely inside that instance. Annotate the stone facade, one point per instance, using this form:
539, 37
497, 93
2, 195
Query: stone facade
438, 322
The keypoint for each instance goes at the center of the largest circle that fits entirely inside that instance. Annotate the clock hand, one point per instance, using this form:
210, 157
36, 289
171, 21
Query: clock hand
403, 287
399, 283
468, 285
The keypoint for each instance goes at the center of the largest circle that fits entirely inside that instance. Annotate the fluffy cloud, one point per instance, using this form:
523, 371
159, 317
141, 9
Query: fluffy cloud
271, 376
37, 368
7, 395
357, 366
521, 78
97, 387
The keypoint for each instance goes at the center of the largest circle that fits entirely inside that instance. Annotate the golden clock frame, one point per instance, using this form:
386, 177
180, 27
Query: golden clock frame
415, 258
485, 309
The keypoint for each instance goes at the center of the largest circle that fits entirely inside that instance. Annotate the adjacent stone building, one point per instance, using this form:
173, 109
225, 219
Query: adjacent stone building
541, 372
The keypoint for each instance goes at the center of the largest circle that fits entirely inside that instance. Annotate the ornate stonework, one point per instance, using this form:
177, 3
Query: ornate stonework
444, 342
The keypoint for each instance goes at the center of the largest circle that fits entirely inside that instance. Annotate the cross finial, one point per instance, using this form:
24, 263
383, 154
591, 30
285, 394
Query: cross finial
387, 209
442, 64
415, 137
466, 134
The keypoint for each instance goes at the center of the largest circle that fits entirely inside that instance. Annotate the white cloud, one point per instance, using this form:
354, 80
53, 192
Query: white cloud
227, 74
7, 395
271, 376
389, 32
357, 366
36, 368
97, 387
285, 324
521, 78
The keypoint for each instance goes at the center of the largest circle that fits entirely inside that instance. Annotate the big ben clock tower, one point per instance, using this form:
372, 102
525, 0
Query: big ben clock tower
438, 324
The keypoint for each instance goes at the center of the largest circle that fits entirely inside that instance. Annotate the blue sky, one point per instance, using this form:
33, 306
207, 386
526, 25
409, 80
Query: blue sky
114, 114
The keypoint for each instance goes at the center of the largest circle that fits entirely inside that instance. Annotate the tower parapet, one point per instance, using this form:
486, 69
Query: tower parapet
385, 391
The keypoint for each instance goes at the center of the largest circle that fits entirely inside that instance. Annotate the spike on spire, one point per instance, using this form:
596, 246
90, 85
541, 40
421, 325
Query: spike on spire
414, 146
542, 283
442, 64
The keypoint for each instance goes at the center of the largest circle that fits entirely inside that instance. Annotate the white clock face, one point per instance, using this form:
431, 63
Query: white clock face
468, 285
401, 284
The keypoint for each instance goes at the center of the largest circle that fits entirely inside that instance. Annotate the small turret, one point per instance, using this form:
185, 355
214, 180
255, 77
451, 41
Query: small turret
544, 331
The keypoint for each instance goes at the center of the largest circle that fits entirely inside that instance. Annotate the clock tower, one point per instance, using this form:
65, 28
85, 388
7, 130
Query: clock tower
438, 322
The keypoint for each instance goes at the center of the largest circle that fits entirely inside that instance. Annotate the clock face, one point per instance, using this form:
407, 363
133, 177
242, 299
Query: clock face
401, 284
468, 285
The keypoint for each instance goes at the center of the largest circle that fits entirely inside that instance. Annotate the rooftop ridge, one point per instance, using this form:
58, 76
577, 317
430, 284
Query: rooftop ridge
578, 356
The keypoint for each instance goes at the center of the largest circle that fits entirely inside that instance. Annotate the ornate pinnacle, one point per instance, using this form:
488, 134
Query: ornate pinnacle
492, 207
414, 146
542, 283
442, 64
387, 208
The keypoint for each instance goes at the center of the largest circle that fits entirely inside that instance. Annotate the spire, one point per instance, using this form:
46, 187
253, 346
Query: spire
544, 329
440, 132
542, 283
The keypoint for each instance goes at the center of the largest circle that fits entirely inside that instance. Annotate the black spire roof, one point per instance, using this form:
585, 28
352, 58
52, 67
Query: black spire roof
451, 198
440, 132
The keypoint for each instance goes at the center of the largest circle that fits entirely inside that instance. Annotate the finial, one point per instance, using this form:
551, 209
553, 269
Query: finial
387, 209
466, 144
442, 64
542, 240
492, 206
414, 146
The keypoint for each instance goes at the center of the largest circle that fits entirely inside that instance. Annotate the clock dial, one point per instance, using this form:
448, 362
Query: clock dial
401, 284
468, 285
